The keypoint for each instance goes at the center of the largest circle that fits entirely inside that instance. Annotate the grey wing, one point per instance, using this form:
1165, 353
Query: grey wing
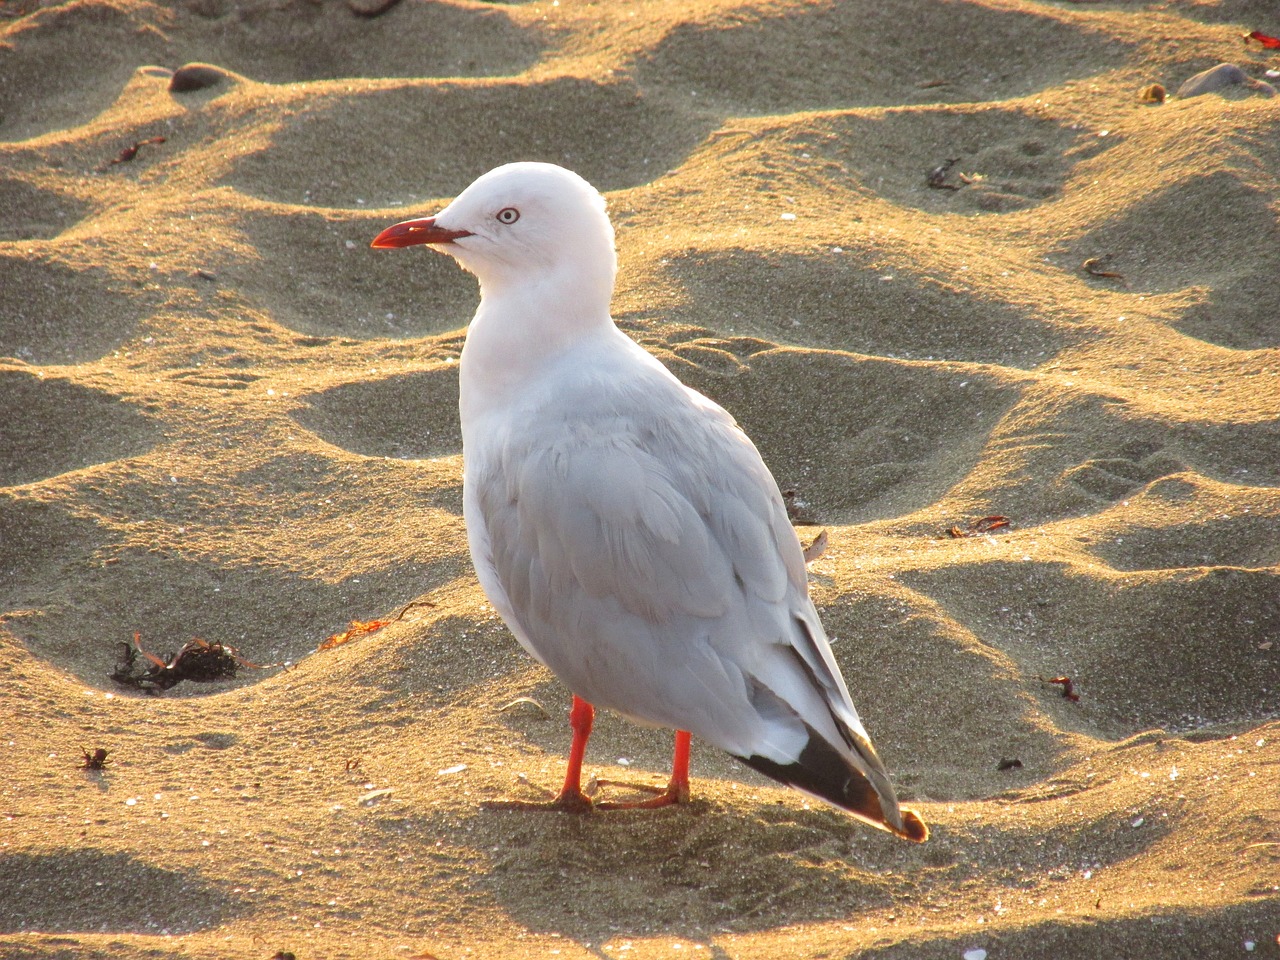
646, 557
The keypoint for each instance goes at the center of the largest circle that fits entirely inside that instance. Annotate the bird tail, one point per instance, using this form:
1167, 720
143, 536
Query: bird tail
831, 774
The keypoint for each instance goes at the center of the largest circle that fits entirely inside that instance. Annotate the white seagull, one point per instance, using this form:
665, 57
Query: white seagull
622, 524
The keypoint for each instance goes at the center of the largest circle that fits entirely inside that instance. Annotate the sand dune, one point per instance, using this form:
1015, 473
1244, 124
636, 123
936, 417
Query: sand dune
223, 416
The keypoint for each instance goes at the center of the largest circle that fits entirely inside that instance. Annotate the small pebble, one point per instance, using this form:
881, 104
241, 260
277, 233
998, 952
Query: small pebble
195, 76
977, 953
1152, 93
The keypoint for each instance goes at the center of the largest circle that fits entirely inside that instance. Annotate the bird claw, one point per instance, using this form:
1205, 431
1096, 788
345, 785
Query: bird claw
565, 802
668, 796
575, 801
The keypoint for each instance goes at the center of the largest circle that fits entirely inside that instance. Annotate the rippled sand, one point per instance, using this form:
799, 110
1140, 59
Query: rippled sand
223, 416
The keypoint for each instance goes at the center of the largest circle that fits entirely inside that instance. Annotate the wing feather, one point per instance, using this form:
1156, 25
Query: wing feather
640, 548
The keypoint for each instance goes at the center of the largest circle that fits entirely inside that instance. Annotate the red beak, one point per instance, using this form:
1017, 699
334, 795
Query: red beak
410, 232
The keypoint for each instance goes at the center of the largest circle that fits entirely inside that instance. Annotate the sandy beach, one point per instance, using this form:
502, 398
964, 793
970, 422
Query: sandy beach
1004, 318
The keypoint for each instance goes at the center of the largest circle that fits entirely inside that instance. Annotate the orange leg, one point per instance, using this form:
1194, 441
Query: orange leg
571, 799
581, 717
679, 784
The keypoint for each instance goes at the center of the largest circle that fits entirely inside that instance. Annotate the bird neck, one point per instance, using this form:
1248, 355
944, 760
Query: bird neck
522, 328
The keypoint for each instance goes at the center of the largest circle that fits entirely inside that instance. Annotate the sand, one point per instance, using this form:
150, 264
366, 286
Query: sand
223, 416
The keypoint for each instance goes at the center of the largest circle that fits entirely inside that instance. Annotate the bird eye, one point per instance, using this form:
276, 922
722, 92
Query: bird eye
508, 215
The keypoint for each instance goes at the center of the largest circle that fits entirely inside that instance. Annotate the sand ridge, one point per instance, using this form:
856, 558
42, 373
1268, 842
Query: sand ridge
223, 416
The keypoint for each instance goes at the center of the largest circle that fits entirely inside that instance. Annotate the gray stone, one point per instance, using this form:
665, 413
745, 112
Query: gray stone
1223, 78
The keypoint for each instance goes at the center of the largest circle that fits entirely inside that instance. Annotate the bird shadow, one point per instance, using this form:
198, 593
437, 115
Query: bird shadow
87, 889
749, 863
693, 871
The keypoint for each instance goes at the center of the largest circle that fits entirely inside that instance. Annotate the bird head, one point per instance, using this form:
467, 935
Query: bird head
520, 224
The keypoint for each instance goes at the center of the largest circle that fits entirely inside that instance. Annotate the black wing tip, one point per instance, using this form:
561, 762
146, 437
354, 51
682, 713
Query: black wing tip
822, 771
913, 828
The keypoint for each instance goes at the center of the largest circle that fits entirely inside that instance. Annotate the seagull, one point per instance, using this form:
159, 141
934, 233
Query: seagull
622, 524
